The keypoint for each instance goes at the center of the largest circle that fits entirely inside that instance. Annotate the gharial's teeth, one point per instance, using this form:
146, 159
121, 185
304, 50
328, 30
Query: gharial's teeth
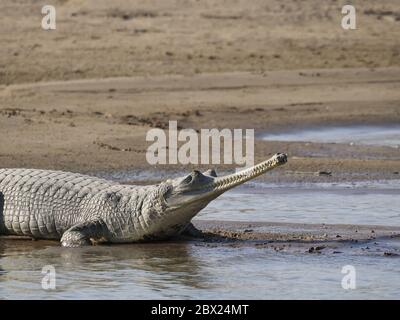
245, 175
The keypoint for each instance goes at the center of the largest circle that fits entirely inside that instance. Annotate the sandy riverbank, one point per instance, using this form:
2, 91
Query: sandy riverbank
91, 125
82, 97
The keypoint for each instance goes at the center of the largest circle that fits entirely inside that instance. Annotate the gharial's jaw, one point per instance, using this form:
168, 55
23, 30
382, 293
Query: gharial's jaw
228, 182
198, 187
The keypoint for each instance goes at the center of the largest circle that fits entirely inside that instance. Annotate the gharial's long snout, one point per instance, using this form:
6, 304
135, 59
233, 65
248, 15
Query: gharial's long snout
227, 182
202, 188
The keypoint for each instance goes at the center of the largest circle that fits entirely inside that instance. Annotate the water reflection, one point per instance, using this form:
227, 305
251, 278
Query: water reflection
191, 270
151, 262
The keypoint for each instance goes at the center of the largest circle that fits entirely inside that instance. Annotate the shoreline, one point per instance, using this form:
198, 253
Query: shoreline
291, 238
101, 125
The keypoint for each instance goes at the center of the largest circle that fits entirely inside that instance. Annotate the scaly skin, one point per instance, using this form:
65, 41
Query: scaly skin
80, 209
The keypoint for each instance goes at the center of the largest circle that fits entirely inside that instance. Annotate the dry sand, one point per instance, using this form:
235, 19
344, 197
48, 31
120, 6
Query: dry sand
89, 125
100, 38
82, 97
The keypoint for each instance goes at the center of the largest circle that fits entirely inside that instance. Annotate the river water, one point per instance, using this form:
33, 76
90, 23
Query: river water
360, 135
197, 270
188, 271
363, 202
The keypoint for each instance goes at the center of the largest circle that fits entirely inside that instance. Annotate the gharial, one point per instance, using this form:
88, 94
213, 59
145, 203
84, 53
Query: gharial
81, 210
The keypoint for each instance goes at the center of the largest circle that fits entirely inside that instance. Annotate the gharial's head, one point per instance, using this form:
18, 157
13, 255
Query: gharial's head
191, 193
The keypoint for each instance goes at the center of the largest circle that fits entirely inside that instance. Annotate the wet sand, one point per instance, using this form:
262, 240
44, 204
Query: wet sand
286, 237
302, 238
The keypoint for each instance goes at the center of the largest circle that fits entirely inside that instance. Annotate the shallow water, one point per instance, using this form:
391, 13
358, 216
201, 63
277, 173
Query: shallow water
367, 203
361, 135
190, 271
197, 270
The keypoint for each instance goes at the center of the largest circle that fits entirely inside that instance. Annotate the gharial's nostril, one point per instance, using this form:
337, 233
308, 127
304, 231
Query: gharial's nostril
283, 157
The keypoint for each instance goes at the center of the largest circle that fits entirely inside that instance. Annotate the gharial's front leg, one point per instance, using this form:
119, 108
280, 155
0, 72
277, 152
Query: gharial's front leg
84, 233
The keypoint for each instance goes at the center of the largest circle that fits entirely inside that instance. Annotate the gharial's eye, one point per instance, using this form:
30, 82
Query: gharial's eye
188, 179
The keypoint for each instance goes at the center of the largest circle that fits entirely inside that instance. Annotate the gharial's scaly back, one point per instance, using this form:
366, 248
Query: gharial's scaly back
31, 199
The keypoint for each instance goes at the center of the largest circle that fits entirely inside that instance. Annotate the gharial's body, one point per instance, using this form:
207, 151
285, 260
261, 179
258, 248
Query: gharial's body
80, 209
45, 204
